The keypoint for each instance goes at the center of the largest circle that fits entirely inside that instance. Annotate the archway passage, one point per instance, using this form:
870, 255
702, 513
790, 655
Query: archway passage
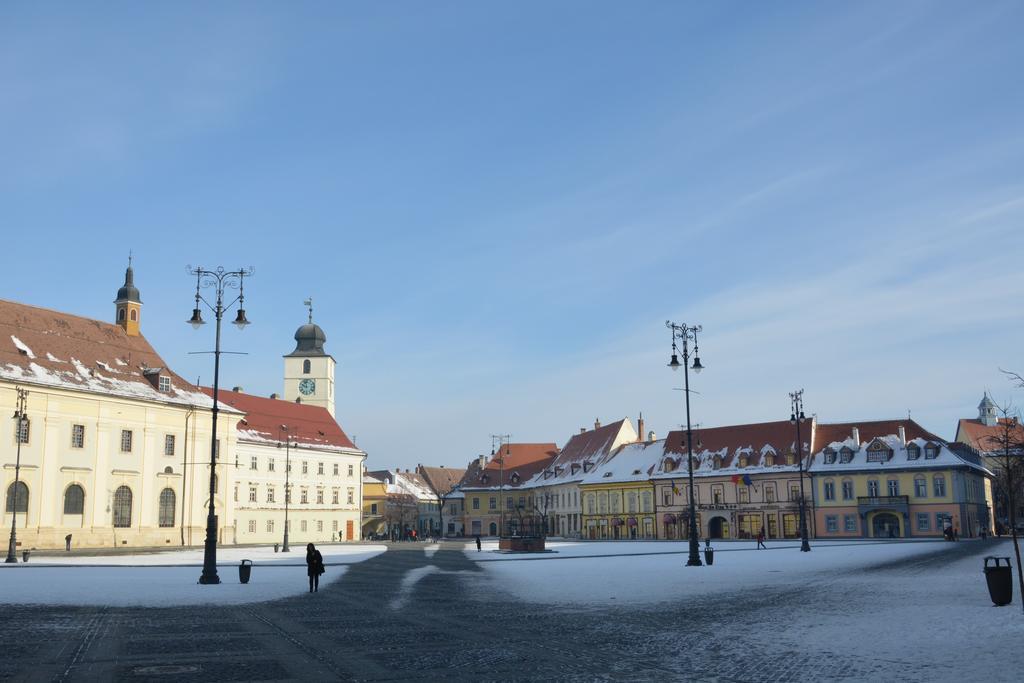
885, 525
718, 527
494, 529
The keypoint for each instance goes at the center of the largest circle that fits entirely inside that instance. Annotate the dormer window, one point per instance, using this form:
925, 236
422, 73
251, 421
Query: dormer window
573, 468
791, 458
586, 467
484, 478
913, 451
670, 465
515, 477
845, 454
164, 384
769, 460
743, 461
830, 456
878, 451
716, 462
931, 451
636, 472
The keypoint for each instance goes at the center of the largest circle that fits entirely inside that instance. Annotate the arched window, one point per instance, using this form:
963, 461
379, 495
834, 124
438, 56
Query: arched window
135, 315
17, 499
306, 367
120, 314
74, 500
122, 507
167, 508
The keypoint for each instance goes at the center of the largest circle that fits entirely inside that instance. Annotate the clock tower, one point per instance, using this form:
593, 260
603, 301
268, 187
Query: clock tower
309, 370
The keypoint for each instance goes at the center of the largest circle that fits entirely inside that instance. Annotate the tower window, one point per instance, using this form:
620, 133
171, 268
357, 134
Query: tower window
135, 315
120, 314
306, 366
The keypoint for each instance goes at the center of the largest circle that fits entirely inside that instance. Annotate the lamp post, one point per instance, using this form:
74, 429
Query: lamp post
22, 418
684, 333
287, 489
502, 439
219, 280
796, 416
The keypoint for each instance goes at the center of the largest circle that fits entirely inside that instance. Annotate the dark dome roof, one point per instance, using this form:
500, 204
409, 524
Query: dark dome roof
309, 341
128, 291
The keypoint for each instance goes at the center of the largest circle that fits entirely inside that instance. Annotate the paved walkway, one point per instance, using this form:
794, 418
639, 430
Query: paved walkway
375, 624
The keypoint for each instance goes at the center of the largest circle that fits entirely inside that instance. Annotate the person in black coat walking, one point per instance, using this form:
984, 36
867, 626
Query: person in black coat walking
478, 542
314, 566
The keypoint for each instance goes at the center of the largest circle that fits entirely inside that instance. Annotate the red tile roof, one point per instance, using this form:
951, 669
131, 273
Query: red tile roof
779, 435
310, 425
41, 346
441, 480
980, 436
520, 459
824, 434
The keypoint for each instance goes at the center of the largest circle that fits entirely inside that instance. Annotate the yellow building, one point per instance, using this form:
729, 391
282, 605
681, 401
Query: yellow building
116, 447
617, 496
893, 479
375, 497
495, 501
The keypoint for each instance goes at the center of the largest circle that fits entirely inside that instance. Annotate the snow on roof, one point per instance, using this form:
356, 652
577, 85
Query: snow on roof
308, 425
630, 463
582, 452
888, 452
44, 342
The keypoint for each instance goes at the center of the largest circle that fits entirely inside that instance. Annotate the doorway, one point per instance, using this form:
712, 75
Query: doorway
885, 525
718, 528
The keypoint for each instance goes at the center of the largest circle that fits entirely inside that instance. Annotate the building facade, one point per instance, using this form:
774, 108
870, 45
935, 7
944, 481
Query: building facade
894, 479
999, 440
555, 490
116, 449
495, 500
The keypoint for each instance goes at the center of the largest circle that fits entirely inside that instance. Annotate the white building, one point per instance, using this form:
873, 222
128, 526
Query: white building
555, 489
297, 441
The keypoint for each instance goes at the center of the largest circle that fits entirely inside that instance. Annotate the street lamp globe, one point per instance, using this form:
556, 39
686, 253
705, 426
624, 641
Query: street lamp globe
240, 320
197, 319
674, 363
696, 367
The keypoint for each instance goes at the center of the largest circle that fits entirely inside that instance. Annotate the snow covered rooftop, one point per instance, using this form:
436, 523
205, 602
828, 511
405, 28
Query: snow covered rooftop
308, 425
48, 348
582, 452
888, 452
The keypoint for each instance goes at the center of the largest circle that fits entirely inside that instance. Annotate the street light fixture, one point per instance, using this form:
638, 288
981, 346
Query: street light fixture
219, 280
796, 417
287, 475
684, 333
21, 417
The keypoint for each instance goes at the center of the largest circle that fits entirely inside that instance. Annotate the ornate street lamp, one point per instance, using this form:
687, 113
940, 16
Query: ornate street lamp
287, 475
684, 333
796, 416
21, 419
219, 280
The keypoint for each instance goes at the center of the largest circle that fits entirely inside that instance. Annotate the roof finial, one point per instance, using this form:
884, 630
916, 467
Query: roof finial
129, 258
309, 304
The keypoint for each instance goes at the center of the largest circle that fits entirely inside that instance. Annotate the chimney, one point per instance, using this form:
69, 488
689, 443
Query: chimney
483, 461
640, 426
237, 390
583, 430
274, 396
903, 435
856, 437
597, 423
651, 437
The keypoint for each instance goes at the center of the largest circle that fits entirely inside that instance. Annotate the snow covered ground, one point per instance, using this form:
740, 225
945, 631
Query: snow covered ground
170, 578
856, 610
590, 573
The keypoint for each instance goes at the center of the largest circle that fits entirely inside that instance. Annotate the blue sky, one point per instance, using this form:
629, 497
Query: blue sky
496, 206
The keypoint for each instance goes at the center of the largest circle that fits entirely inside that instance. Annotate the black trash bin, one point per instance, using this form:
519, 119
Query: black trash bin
709, 555
275, 547
999, 578
24, 556
244, 571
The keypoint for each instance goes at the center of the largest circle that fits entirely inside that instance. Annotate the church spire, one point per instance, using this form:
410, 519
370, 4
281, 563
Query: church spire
128, 302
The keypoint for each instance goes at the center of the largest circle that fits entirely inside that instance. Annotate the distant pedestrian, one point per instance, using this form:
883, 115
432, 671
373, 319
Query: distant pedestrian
760, 539
478, 542
314, 566
67, 543
956, 533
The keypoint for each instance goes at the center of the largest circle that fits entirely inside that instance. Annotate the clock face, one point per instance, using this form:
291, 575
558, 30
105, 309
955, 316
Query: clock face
307, 387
